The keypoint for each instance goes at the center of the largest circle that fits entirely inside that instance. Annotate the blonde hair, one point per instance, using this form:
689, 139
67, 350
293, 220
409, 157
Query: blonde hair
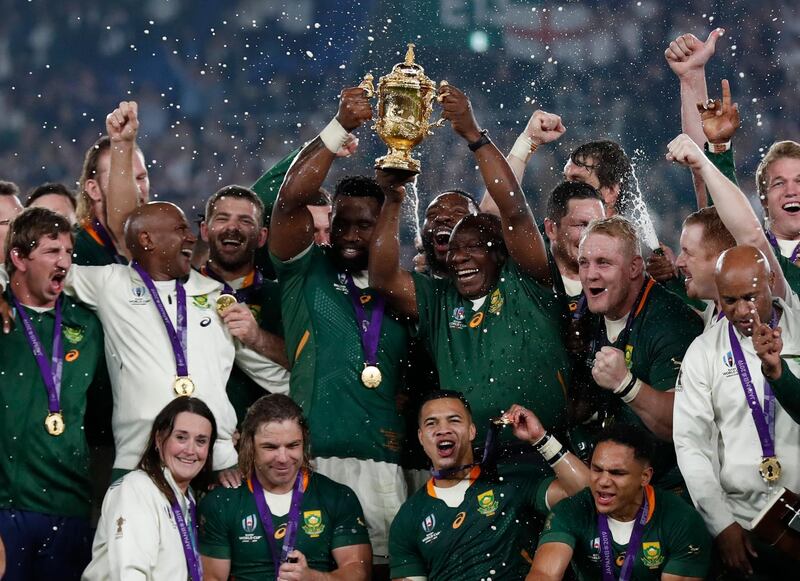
777, 150
616, 227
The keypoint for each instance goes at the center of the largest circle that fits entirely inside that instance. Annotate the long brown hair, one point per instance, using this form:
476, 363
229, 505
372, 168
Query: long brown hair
274, 407
163, 425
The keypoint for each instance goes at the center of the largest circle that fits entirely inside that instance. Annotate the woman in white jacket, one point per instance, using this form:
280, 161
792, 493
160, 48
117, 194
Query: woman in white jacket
148, 527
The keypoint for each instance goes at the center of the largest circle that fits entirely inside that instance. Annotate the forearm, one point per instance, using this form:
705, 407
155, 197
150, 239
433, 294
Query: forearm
694, 91
349, 572
573, 475
385, 274
654, 408
501, 183
517, 166
787, 391
733, 207
271, 346
305, 176
122, 196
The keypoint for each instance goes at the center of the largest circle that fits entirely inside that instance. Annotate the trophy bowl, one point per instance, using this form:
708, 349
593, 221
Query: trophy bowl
405, 104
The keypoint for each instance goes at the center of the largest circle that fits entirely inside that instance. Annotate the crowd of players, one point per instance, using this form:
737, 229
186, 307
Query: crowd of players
580, 410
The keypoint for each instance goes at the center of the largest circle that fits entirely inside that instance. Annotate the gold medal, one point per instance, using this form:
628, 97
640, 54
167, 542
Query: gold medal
371, 376
54, 423
225, 301
183, 386
770, 469
501, 421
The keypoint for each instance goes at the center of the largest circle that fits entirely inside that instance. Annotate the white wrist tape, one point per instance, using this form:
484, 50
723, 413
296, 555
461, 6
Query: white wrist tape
550, 448
334, 136
523, 147
629, 388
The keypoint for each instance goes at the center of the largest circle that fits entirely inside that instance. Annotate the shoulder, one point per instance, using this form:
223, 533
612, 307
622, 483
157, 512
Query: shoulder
327, 487
136, 482
224, 500
667, 305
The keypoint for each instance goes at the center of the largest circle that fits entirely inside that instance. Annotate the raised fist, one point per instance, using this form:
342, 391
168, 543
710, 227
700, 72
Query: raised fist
122, 124
685, 152
544, 127
354, 108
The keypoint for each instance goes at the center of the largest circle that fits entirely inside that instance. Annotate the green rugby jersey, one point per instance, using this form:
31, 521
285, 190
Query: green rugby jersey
39, 472
89, 251
347, 419
674, 541
230, 528
487, 536
507, 351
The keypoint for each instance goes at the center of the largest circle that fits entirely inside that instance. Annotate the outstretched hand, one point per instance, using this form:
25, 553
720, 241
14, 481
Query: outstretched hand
720, 118
525, 424
688, 54
458, 110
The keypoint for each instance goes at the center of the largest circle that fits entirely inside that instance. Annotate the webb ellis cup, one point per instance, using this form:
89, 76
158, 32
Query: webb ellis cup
405, 103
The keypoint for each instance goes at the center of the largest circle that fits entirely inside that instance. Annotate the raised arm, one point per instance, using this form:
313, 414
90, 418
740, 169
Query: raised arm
385, 274
687, 57
291, 226
122, 196
550, 562
542, 127
732, 205
521, 236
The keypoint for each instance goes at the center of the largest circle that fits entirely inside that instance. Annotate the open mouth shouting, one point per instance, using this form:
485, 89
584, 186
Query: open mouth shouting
441, 239
604, 499
445, 448
596, 291
57, 281
792, 207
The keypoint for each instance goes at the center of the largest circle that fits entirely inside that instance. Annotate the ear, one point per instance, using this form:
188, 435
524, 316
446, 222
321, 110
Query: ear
473, 431
550, 229
637, 267
419, 436
144, 240
92, 188
263, 234
771, 280
19, 263
647, 475
204, 231
610, 196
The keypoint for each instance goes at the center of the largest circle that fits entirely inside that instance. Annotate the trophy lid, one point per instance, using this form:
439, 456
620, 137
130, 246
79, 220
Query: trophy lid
408, 70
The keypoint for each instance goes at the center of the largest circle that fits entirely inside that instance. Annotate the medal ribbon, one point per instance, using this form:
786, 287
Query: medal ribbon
292, 521
764, 418
244, 294
625, 334
774, 243
606, 550
488, 454
107, 242
369, 329
188, 539
176, 338
50, 370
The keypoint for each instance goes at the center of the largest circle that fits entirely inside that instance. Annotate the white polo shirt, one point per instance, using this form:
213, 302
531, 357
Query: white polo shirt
715, 436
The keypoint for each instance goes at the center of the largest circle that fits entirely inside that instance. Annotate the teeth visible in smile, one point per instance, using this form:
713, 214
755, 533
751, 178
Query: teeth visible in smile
186, 252
445, 444
467, 272
791, 206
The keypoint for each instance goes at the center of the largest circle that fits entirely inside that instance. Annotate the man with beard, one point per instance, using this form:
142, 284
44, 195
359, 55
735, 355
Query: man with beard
605, 166
640, 332
232, 228
492, 325
113, 182
734, 442
346, 353
44, 480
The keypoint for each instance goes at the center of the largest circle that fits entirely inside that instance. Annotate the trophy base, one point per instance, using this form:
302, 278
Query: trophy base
398, 161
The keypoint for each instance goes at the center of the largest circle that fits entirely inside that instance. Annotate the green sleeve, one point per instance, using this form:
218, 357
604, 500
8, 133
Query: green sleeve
268, 185
349, 526
214, 541
544, 297
270, 316
787, 391
668, 346
424, 288
405, 559
689, 544
296, 267
723, 162
677, 287
791, 272
562, 522
540, 495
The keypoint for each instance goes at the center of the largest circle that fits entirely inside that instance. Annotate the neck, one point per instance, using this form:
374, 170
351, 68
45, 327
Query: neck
784, 233
229, 274
154, 271
457, 477
22, 291
276, 488
625, 307
629, 512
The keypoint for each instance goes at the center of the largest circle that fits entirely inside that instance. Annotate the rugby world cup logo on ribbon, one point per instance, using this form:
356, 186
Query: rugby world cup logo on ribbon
249, 523
429, 523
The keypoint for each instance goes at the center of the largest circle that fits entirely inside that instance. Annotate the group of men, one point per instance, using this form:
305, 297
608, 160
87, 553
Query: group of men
673, 381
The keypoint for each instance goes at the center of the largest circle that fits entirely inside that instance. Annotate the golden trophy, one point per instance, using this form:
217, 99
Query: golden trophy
405, 103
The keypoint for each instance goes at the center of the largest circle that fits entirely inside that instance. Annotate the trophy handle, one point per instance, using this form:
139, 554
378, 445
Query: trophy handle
367, 85
439, 98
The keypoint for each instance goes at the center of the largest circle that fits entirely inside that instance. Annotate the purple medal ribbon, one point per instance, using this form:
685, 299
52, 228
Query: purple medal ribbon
764, 418
243, 295
774, 243
188, 540
606, 551
488, 454
50, 370
108, 244
292, 521
369, 329
177, 338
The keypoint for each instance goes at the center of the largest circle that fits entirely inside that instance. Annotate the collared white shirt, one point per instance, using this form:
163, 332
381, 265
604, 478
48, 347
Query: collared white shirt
715, 436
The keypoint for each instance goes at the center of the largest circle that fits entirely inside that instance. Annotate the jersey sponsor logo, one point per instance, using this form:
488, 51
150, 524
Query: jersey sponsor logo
628, 356
457, 321
140, 296
73, 334
429, 523
487, 504
71, 355
120, 521
476, 320
652, 556
201, 302
249, 523
281, 532
730, 366
496, 302
313, 525
205, 322
459, 519
620, 560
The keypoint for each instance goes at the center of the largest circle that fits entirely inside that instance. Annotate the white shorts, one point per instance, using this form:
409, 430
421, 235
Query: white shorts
380, 488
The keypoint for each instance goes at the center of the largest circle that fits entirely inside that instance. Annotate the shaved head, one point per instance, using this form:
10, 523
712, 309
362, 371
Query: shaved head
159, 238
744, 283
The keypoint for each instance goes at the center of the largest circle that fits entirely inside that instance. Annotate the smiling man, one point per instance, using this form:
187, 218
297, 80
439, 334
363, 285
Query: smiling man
640, 333
44, 482
441, 216
778, 182
621, 527
482, 510
492, 325
732, 451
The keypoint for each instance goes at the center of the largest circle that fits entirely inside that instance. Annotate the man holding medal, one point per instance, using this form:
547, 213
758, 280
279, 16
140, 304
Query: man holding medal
736, 445
47, 362
621, 527
346, 352
289, 523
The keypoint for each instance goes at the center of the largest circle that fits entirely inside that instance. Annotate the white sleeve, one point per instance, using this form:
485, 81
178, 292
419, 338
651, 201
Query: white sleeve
131, 518
3, 278
695, 436
265, 372
87, 283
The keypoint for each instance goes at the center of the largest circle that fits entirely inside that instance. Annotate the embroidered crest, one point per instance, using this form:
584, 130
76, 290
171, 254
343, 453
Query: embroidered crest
651, 554
487, 504
201, 302
313, 525
249, 523
496, 302
73, 334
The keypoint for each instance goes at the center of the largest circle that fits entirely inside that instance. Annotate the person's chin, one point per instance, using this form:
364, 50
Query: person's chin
352, 262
